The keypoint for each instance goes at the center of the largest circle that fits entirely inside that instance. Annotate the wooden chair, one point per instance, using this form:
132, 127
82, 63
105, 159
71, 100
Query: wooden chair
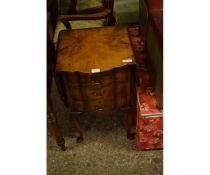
51, 118
106, 11
85, 18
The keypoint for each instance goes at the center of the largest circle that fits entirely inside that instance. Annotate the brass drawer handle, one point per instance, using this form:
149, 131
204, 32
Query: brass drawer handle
97, 81
99, 108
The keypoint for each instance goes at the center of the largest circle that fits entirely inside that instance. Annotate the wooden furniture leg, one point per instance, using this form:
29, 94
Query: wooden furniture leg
110, 20
77, 126
131, 121
61, 88
53, 125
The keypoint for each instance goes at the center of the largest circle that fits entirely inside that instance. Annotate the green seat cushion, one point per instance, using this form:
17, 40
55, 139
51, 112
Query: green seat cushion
126, 12
76, 25
81, 4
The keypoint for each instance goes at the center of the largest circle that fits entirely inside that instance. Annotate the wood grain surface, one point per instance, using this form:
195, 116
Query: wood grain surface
86, 49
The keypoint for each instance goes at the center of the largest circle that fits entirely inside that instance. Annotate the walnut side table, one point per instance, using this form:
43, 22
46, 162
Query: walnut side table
95, 71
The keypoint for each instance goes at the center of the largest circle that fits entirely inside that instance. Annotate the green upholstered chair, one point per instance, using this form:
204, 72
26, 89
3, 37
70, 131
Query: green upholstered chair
52, 122
78, 14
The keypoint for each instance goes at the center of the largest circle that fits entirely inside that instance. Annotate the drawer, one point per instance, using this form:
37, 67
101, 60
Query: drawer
98, 79
104, 104
105, 78
97, 92
104, 99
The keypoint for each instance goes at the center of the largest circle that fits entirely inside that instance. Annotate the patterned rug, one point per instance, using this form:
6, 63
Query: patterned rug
149, 117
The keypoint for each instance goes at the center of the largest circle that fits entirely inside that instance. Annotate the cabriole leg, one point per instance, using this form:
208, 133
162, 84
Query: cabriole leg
53, 125
129, 123
77, 126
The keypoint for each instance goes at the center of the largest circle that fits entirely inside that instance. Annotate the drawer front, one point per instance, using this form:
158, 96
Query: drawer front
102, 78
96, 79
98, 92
104, 104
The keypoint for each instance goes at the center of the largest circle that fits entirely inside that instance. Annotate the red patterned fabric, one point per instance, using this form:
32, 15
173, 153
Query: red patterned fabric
150, 117
150, 133
146, 93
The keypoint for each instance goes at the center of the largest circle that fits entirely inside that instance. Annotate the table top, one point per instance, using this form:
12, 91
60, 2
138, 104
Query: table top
98, 49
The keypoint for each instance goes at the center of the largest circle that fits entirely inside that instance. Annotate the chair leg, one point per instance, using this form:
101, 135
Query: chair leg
53, 125
61, 89
111, 20
129, 123
77, 127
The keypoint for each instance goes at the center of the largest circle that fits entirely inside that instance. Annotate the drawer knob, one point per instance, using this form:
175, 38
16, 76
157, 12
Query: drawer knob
99, 108
96, 81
